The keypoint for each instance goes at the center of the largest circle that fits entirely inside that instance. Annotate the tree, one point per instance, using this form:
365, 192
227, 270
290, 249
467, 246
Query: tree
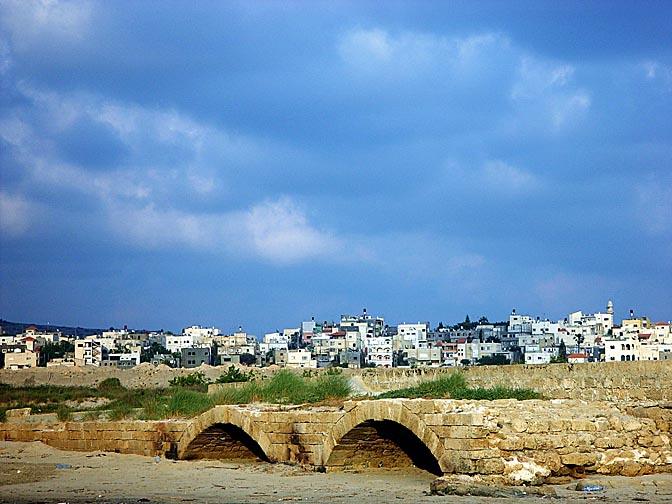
58, 350
493, 360
147, 354
579, 338
562, 352
247, 359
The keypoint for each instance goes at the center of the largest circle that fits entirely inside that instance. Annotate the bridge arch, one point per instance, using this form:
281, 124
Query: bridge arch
392, 422
225, 422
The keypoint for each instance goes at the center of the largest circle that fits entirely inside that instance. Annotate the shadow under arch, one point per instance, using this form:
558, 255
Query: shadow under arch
223, 441
382, 444
223, 431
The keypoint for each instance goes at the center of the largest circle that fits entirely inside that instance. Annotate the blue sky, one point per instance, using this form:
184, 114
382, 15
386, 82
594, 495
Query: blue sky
257, 163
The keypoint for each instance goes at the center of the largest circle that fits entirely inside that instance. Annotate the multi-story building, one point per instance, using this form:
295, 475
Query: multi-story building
174, 343
300, 358
195, 356
17, 356
88, 352
411, 336
200, 334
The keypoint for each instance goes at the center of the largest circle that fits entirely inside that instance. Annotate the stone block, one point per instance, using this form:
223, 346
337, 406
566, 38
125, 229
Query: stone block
489, 466
511, 443
452, 462
538, 426
312, 439
465, 444
479, 454
460, 431
579, 459
609, 442
519, 425
650, 441
17, 414
582, 425
631, 425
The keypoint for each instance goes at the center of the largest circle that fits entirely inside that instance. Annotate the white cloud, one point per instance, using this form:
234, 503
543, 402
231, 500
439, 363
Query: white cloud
45, 21
280, 232
658, 73
277, 231
137, 196
494, 176
376, 51
15, 214
361, 47
546, 95
501, 176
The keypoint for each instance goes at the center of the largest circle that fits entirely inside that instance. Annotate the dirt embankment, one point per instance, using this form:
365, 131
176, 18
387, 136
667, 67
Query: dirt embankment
144, 375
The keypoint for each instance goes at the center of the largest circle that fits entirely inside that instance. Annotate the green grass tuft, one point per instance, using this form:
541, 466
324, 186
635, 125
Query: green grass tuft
188, 403
454, 386
287, 387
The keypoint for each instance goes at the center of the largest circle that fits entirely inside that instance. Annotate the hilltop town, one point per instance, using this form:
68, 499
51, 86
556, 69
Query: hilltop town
355, 341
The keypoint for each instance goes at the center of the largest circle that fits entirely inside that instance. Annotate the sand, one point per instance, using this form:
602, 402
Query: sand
34, 472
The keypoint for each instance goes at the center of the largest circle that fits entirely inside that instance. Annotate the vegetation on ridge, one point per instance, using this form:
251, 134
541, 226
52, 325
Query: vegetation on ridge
454, 386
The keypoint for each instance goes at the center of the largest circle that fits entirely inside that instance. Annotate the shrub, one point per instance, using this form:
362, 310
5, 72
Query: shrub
235, 375
197, 379
110, 385
63, 413
120, 410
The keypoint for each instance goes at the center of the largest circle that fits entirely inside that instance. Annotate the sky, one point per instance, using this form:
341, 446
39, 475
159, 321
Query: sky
258, 163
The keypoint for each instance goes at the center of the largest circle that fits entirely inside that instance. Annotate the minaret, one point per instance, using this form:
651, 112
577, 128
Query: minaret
610, 307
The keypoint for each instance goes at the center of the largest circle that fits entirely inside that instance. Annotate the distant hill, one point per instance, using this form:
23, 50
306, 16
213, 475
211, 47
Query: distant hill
12, 328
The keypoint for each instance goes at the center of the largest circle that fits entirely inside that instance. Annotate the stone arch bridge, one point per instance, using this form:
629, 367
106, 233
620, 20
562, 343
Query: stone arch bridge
522, 441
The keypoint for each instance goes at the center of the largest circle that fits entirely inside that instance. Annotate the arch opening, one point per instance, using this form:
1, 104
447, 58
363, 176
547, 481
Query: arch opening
382, 444
224, 441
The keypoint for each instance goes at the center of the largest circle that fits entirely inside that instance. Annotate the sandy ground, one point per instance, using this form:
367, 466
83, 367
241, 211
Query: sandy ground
36, 473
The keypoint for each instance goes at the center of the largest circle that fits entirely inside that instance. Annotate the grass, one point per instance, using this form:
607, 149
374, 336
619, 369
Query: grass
187, 400
123, 403
286, 387
454, 386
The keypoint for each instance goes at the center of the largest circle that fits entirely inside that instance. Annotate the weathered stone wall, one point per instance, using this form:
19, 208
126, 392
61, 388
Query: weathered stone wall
517, 441
135, 437
508, 441
599, 381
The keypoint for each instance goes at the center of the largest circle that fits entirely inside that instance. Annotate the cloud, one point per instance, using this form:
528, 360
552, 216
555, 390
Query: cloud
15, 214
276, 231
36, 21
409, 55
280, 232
68, 143
502, 176
545, 93
658, 73
493, 177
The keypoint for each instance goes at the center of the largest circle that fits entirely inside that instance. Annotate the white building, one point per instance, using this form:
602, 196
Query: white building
411, 336
88, 352
378, 351
301, 358
199, 334
274, 341
537, 357
176, 342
